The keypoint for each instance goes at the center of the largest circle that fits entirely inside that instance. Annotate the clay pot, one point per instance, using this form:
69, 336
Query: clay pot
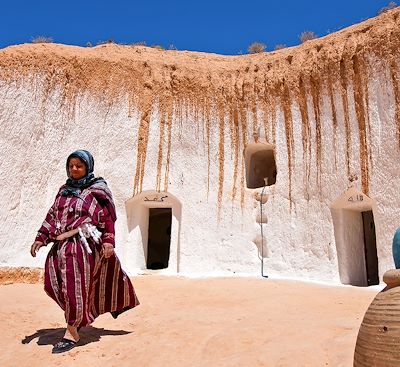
378, 340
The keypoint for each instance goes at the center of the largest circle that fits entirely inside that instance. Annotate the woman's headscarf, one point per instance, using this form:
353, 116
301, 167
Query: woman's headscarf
98, 184
75, 187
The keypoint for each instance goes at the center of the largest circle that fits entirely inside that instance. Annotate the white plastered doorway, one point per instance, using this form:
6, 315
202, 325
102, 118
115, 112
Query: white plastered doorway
148, 212
355, 237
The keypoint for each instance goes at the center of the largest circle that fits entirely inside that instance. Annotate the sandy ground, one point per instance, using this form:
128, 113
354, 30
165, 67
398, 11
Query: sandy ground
194, 322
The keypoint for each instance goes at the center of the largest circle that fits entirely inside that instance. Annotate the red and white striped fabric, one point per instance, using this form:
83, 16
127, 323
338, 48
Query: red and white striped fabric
84, 285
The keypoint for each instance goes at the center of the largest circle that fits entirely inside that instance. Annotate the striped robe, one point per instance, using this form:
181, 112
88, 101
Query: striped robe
84, 285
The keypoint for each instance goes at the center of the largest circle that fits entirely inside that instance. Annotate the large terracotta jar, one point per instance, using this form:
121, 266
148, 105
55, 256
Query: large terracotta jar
378, 340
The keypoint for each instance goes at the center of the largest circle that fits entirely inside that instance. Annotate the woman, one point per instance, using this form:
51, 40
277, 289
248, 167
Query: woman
82, 273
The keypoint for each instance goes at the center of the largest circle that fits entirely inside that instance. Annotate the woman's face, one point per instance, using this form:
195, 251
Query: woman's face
76, 168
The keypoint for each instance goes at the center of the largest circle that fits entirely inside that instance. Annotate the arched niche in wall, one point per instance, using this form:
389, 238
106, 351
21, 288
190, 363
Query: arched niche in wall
354, 228
154, 221
260, 164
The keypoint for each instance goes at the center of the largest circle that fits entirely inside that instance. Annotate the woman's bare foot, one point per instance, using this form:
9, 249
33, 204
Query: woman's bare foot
71, 333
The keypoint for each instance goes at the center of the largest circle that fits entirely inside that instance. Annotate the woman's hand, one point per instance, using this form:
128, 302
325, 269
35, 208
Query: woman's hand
35, 247
108, 250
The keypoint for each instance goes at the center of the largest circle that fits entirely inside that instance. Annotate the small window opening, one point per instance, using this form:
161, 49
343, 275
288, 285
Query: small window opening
260, 165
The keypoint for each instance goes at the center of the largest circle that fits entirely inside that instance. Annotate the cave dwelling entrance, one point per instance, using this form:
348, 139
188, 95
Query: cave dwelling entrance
355, 237
155, 218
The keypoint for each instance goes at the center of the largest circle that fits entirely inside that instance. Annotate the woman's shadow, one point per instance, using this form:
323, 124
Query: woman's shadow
87, 335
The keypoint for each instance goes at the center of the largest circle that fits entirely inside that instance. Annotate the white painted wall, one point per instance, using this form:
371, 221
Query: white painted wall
36, 138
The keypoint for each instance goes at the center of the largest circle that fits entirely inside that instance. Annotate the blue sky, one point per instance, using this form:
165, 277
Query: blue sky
216, 26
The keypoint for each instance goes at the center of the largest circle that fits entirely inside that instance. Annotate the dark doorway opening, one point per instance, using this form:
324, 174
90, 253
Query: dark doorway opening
159, 239
371, 257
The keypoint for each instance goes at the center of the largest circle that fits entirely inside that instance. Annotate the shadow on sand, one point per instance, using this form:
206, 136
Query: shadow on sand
88, 335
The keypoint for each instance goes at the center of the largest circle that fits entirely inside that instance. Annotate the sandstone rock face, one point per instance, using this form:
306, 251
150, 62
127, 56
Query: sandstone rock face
169, 128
